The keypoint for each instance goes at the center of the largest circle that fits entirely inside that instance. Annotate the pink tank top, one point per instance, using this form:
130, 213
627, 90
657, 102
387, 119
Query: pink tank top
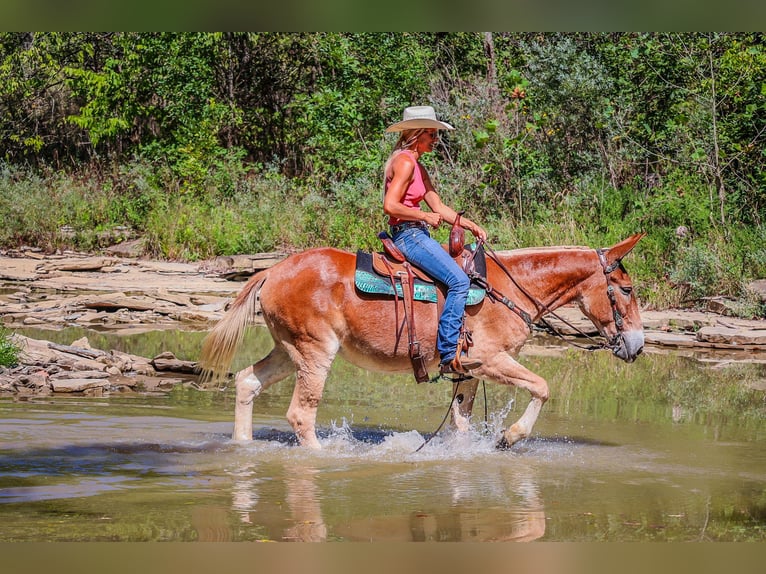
415, 193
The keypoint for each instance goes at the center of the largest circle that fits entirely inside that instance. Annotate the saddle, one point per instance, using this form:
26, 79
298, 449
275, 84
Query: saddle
388, 273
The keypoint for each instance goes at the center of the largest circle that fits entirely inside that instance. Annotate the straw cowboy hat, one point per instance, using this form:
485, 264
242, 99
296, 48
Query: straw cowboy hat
416, 117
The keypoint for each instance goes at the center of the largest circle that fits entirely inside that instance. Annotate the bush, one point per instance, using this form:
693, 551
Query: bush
9, 350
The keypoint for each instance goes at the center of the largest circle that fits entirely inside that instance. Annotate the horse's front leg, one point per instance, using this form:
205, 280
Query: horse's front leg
462, 405
505, 370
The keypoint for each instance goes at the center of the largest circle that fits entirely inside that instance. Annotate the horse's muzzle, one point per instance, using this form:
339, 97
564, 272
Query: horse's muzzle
628, 345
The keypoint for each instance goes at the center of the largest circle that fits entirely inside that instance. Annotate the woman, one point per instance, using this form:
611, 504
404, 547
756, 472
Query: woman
407, 184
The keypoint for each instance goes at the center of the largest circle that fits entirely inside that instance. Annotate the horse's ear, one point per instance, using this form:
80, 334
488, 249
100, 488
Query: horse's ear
621, 249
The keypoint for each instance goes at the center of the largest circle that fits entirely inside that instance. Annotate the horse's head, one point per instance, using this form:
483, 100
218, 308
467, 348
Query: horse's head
609, 301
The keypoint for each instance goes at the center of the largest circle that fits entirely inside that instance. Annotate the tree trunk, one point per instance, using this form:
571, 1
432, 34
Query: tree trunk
489, 52
716, 160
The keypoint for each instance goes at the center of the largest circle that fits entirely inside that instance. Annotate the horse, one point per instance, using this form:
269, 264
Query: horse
314, 311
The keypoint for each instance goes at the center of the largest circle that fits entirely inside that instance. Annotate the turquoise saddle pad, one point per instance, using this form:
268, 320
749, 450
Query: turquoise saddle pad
368, 281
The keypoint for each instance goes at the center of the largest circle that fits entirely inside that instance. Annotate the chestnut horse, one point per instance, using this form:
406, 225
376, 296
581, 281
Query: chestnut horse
314, 312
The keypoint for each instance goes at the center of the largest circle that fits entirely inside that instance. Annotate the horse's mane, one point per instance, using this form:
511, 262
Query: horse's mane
543, 250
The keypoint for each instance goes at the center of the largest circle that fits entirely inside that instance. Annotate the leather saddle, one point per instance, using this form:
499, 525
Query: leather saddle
388, 273
374, 271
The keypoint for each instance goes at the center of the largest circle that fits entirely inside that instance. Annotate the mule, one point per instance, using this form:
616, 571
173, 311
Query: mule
314, 312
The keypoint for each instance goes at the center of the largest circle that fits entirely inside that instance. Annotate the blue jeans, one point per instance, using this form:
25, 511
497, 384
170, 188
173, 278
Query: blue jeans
424, 252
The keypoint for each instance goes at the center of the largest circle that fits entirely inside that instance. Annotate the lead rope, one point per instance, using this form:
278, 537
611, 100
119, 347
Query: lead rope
425, 442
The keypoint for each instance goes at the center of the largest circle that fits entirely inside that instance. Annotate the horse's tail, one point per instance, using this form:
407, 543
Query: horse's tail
222, 341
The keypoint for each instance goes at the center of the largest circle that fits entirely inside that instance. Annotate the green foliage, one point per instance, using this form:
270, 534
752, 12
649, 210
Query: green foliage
214, 143
9, 350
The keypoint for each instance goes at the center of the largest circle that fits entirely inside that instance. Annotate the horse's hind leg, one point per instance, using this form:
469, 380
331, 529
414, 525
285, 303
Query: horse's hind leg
313, 364
250, 382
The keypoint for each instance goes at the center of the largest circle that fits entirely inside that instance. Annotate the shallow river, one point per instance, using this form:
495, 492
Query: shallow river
667, 448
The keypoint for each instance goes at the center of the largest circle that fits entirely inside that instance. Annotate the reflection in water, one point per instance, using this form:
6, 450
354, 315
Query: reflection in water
244, 495
305, 511
302, 498
466, 522
211, 524
468, 501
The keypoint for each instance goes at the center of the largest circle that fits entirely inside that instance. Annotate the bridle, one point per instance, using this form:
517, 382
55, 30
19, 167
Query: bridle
612, 343
618, 318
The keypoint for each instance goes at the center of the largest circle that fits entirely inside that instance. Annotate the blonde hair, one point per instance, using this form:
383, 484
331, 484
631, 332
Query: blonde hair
407, 139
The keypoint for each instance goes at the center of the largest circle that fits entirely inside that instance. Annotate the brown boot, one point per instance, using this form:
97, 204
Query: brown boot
459, 365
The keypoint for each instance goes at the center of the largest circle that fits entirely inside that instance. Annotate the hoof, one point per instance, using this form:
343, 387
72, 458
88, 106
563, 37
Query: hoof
503, 444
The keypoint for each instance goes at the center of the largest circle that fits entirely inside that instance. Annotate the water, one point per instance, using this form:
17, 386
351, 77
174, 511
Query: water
667, 448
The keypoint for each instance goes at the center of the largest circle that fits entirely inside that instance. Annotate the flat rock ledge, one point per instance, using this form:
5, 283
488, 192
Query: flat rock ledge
708, 336
48, 368
77, 290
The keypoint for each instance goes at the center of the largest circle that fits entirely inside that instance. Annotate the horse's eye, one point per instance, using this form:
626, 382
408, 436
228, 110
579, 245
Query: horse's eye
627, 290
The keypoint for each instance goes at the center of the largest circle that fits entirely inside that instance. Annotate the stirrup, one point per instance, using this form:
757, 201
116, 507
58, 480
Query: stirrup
452, 377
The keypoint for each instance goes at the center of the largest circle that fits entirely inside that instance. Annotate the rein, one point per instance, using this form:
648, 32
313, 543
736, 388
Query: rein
545, 310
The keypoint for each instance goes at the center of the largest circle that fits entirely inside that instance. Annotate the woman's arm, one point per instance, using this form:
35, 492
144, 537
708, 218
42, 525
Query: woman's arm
447, 213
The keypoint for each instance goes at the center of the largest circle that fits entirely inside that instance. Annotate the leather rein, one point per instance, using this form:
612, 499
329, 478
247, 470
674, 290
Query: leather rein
541, 307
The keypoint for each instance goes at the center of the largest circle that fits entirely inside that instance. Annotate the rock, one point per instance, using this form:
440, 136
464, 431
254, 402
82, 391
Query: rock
7, 384
81, 348
77, 385
132, 249
732, 336
167, 361
38, 380
116, 301
86, 264
241, 267
720, 305
82, 343
79, 375
194, 317
177, 299
154, 384
670, 339
757, 384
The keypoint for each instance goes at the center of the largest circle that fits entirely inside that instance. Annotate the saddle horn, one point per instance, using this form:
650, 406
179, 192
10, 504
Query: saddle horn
456, 237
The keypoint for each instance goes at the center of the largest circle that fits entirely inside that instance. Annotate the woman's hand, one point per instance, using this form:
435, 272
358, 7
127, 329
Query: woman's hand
477, 230
432, 219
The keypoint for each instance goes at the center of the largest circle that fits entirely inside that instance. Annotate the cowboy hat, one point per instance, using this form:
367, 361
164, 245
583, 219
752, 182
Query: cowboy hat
419, 117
